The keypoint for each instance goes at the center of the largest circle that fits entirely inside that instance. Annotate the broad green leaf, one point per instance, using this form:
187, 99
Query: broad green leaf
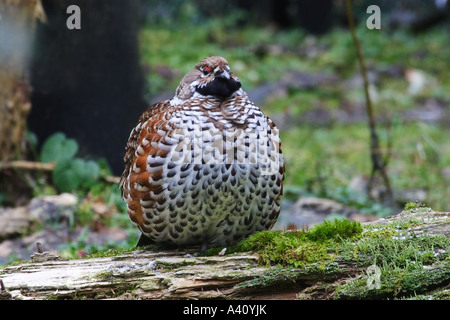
58, 148
91, 172
71, 174
67, 174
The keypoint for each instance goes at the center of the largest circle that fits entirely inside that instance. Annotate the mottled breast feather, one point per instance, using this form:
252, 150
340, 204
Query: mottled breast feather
206, 171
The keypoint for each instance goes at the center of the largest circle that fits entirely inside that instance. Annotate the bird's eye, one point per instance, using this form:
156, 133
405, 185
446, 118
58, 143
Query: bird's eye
206, 70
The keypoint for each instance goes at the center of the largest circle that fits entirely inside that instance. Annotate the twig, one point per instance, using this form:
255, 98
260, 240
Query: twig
39, 247
28, 165
41, 166
111, 179
378, 164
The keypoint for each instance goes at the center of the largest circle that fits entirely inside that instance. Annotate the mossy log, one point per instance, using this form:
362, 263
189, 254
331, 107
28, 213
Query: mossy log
180, 274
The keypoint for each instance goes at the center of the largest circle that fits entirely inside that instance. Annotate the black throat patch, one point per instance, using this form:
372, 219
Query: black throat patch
220, 88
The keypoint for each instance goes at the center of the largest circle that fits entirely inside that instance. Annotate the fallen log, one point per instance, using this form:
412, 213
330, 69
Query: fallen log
354, 269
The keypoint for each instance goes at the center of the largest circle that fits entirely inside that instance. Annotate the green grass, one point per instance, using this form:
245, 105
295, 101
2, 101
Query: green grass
420, 154
336, 152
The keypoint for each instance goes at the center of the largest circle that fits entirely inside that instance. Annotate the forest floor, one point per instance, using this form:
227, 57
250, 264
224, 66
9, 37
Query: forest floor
311, 87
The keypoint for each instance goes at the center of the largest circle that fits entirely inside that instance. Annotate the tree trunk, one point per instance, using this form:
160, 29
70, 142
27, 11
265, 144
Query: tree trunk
180, 274
16, 33
17, 22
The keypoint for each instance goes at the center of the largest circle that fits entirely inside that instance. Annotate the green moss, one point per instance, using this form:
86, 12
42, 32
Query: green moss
408, 263
336, 230
301, 248
108, 253
270, 277
398, 283
439, 294
103, 276
402, 251
411, 205
285, 248
15, 263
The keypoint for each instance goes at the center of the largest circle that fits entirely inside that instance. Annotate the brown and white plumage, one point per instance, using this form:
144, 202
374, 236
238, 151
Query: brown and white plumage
204, 167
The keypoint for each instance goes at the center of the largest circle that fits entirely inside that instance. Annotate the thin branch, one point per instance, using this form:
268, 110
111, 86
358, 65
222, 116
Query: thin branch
41, 166
378, 165
28, 165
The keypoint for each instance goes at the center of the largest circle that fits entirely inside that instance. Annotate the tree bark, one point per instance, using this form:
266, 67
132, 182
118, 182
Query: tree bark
17, 24
16, 34
179, 274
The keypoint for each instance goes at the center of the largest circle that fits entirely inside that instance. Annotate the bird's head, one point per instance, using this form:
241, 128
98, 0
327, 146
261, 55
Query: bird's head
210, 77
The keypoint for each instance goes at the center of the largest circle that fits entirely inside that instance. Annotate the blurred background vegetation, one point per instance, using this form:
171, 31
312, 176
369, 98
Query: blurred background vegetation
296, 60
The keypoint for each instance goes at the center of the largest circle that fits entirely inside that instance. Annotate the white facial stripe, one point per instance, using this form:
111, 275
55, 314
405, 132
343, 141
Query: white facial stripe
194, 84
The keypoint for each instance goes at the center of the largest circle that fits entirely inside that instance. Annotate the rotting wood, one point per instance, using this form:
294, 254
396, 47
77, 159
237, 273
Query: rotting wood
178, 274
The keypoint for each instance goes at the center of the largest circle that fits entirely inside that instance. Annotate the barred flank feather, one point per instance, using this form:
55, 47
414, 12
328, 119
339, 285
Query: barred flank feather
205, 167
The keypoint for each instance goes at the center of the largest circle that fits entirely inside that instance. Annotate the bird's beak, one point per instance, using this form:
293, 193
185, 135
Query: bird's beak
222, 74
